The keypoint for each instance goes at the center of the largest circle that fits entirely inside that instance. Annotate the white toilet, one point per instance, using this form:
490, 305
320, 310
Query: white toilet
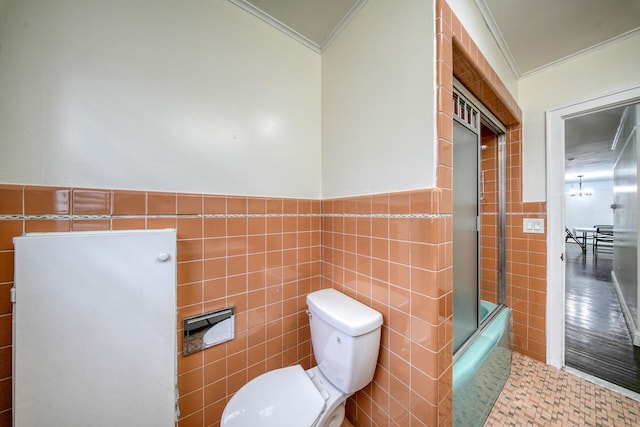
346, 338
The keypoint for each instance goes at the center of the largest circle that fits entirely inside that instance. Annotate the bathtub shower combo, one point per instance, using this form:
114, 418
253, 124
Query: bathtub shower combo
482, 338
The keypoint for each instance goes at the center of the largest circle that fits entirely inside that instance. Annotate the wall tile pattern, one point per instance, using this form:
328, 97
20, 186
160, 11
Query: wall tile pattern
489, 218
261, 255
393, 252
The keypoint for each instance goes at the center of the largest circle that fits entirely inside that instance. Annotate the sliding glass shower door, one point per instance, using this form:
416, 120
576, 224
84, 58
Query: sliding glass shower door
479, 205
482, 342
466, 148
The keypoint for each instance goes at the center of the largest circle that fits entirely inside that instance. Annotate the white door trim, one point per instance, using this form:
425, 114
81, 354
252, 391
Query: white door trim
555, 211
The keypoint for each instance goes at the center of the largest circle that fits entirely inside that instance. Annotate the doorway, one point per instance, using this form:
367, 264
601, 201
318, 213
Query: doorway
569, 262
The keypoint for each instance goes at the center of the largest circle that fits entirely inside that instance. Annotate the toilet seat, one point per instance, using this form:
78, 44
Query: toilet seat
283, 397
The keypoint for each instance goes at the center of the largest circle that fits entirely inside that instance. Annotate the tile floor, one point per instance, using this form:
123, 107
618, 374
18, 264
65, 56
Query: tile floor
538, 395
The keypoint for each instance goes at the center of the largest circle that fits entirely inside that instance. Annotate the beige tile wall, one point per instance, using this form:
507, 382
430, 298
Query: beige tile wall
261, 255
388, 251
489, 218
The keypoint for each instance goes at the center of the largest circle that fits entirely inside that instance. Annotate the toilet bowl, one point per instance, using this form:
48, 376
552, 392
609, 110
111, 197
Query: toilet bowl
345, 335
286, 397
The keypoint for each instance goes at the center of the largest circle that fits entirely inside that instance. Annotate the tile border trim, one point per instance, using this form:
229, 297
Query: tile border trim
310, 215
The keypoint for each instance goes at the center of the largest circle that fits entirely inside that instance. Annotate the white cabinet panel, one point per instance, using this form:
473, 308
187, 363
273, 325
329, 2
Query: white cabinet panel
95, 329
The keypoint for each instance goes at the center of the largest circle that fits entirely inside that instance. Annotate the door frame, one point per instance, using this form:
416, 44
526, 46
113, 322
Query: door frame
555, 144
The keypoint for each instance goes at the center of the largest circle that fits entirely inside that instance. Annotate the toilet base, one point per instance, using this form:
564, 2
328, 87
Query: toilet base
334, 413
336, 418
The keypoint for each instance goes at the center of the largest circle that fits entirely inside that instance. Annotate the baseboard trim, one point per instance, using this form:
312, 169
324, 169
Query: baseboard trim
628, 317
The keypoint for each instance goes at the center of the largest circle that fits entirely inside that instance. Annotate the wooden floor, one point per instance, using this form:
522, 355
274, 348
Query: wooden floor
597, 340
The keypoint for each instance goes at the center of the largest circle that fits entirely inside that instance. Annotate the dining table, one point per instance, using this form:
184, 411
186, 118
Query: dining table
582, 234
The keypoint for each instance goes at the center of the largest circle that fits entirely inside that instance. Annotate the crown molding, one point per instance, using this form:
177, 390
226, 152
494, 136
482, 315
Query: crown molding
265, 17
504, 47
584, 52
258, 13
342, 24
497, 35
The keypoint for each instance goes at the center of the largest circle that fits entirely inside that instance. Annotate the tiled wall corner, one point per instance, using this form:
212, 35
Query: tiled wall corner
393, 253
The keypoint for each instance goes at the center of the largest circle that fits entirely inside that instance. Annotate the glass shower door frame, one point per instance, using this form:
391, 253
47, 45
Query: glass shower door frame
466, 221
486, 118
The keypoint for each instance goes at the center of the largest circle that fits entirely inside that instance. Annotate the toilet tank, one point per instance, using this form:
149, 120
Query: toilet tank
346, 338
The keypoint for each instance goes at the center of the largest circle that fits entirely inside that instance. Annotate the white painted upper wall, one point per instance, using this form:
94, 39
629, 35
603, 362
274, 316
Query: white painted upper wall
378, 112
203, 97
472, 20
604, 71
195, 96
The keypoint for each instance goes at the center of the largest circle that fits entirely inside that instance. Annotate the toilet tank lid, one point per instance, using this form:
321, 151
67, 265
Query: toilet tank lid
343, 313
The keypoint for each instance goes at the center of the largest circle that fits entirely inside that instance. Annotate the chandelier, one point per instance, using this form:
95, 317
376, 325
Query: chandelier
580, 192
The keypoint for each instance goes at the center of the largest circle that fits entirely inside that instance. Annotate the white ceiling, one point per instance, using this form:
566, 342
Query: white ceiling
537, 34
532, 34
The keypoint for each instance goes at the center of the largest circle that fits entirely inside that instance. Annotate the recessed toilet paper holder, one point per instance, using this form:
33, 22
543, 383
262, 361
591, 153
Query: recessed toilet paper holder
206, 330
